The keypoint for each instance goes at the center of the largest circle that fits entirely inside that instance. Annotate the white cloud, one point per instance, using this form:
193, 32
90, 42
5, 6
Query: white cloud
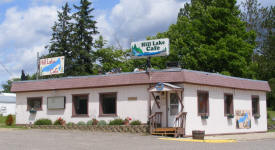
135, 20
104, 27
23, 33
24, 28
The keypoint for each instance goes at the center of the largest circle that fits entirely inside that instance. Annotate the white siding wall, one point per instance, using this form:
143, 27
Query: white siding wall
10, 108
136, 109
217, 123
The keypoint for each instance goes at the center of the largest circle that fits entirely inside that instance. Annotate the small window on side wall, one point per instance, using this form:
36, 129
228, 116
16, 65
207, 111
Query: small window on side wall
34, 103
255, 105
108, 103
203, 103
228, 104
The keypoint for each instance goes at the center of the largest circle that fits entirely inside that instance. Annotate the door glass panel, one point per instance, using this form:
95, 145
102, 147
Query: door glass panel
174, 104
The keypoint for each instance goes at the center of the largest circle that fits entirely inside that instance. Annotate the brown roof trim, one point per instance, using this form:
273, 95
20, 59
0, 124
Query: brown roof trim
80, 88
251, 89
141, 78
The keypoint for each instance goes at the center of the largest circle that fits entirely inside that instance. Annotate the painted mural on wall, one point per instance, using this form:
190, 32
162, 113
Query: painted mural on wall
243, 119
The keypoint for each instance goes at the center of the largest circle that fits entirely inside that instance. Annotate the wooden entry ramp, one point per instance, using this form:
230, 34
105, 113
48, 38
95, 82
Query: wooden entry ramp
174, 131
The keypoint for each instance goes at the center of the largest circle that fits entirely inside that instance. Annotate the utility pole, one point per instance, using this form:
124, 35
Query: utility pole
38, 67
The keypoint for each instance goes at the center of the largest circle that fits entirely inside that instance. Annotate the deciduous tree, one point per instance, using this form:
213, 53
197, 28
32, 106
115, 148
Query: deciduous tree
210, 36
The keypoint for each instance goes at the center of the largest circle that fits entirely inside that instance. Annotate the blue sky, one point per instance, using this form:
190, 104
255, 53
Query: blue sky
25, 26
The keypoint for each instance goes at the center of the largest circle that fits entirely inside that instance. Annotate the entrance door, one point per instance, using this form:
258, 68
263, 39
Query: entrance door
173, 109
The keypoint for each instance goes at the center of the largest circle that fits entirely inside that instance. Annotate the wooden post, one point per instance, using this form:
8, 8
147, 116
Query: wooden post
149, 104
38, 67
148, 64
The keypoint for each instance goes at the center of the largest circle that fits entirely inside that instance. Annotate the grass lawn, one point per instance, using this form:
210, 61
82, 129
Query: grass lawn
3, 124
271, 115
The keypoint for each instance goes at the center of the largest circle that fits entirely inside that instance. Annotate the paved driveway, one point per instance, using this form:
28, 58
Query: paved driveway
35, 139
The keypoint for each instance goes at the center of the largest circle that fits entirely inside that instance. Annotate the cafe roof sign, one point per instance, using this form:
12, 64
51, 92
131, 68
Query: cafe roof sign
150, 48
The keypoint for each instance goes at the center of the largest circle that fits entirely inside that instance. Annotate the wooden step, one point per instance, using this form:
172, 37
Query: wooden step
163, 133
164, 130
176, 131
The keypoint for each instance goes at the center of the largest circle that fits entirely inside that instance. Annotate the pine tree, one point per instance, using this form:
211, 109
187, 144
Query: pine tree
266, 53
60, 44
84, 29
23, 76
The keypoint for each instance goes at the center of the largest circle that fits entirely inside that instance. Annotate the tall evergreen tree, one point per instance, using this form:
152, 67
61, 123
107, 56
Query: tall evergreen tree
61, 43
266, 54
84, 30
210, 36
23, 76
251, 14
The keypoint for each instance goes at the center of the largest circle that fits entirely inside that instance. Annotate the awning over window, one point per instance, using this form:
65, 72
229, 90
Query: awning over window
160, 87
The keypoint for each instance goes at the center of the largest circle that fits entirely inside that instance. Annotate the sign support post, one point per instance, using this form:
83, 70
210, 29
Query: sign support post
148, 64
37, 72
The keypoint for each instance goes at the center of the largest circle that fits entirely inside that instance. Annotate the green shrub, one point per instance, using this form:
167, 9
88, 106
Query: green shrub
268, 116
9, 120
102, 123
92, 122
59, 121
81, 123
116, 122
135, 122
43, 122
70, 124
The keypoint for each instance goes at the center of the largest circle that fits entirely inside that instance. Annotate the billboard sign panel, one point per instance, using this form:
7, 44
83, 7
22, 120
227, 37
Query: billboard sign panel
51, 66
150, 48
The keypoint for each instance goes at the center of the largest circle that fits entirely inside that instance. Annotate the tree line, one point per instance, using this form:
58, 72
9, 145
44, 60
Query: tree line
210, 35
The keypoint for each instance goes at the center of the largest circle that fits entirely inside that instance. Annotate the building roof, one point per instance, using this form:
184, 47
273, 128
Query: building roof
7, 98
138, 78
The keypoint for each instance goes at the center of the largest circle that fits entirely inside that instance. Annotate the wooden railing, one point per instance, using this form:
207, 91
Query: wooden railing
155, 120
180, 120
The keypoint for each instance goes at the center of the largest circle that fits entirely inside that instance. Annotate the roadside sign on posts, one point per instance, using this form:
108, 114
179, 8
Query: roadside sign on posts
150, 48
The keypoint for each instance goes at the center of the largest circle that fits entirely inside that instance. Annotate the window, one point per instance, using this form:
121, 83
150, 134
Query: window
107, 104
57, 102
80, 105
174, 104
228, 104
34, 103
255, 105
203, 103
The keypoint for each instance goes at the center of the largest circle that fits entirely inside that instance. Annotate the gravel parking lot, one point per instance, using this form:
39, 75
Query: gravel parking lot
34, 139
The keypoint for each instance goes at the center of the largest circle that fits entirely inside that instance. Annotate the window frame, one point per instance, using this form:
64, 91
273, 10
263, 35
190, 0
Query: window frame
207, 102
258, 104
73, 107
232, 104
32, 98
100, 104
